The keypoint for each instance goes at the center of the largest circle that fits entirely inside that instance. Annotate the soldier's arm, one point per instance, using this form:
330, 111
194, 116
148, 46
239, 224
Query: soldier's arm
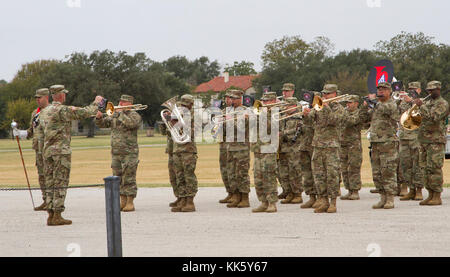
130, 119
163, 129
77, 113
104, 121
30, 129
437, 113
333, 113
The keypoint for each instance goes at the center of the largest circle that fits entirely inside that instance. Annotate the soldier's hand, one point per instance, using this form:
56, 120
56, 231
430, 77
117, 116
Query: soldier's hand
418, 102
306, 111
365, 103
407, 98
99, 115
98, 99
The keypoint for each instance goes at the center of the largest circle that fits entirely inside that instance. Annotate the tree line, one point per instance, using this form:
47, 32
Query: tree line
416, 57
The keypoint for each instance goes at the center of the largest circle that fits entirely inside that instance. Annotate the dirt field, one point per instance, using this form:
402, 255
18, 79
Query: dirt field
214, 230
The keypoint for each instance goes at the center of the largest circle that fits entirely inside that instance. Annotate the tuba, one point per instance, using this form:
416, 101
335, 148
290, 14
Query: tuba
172, 108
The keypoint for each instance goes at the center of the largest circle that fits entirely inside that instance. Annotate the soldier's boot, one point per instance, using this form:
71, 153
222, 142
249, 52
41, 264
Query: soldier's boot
418, 195
180, 205
235, 200
288, 199
324, 205
42, 207
354, 195
123, 201
347, 196
410, 196
297, 198
189, 207
430, 196
50, 217
380, 204
436, 200
262, 208
332, 208
317, 203
272, 208
226, 199
59, 220
404, 190
374, 191
129, 207
282, 195
174, 203
244, 201
389, 202
310, 202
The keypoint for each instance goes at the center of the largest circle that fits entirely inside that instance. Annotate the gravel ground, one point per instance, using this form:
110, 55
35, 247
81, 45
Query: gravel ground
214, 230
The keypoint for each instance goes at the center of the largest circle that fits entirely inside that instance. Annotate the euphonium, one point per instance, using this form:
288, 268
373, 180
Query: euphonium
172, 108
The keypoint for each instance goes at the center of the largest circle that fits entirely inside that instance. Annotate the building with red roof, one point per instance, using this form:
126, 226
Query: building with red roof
222, 83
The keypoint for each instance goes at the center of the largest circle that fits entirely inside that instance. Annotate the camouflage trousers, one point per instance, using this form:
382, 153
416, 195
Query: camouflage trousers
223, 168
409, 164
351, 161
172, 175
125, 167
238, 165
57, 174
306, 169
325, 168
290, 172
185, 163
265, 167
431, 160
41, 175
384, 162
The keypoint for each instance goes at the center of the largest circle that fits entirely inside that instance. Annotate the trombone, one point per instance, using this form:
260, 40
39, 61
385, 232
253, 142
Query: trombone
281, 115
258, 105
111, 109
317, 103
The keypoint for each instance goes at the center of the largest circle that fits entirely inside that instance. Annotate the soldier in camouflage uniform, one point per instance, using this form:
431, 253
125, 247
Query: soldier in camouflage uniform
384, 142
432, 138
282, 168
42, 101
265, 164
351, 150
289, 163
172, 175
56, 123
238, 154
185, 159
409, 150
223, 146
325, 159
124, 125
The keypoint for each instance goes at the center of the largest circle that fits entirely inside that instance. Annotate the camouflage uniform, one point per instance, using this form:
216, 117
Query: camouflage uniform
432, 138
56, 123
124, 147
169, 151
306, 151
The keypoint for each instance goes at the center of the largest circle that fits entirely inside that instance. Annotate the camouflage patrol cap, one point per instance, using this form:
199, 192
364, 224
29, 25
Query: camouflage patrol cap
353, 98
433, 85
41, 92
414, 85
330, 88
187, 99
269, 95
127, 98
57, 89
291, 100
236, 93
288, 86
384, 85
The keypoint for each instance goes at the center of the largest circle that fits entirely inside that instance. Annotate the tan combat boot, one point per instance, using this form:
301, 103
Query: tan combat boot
418, 195
318, 202
374, 190
189, 207
244, 201
272, 208
310, 202
129, 207
59, 220
410, 196
261, 208
332, 208
288, 199
282, 195
42, 207
123, 201
323, 206
235, 200
174, 203
297, 198
389, 201
403, 190
347, 196
430, 196
180, 205
436, 200
380, 204
226, 199
50, 217
354, 195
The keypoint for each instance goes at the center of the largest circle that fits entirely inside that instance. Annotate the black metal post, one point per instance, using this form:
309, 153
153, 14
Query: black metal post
113, 224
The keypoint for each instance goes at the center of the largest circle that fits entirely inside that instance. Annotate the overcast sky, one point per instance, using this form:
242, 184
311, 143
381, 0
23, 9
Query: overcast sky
226, 30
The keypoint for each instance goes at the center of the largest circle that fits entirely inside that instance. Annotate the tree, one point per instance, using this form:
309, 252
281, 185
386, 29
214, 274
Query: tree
20, 111
240, 68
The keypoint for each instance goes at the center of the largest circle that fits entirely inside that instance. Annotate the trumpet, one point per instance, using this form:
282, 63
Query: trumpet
317, 103
172, 108
110, 108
